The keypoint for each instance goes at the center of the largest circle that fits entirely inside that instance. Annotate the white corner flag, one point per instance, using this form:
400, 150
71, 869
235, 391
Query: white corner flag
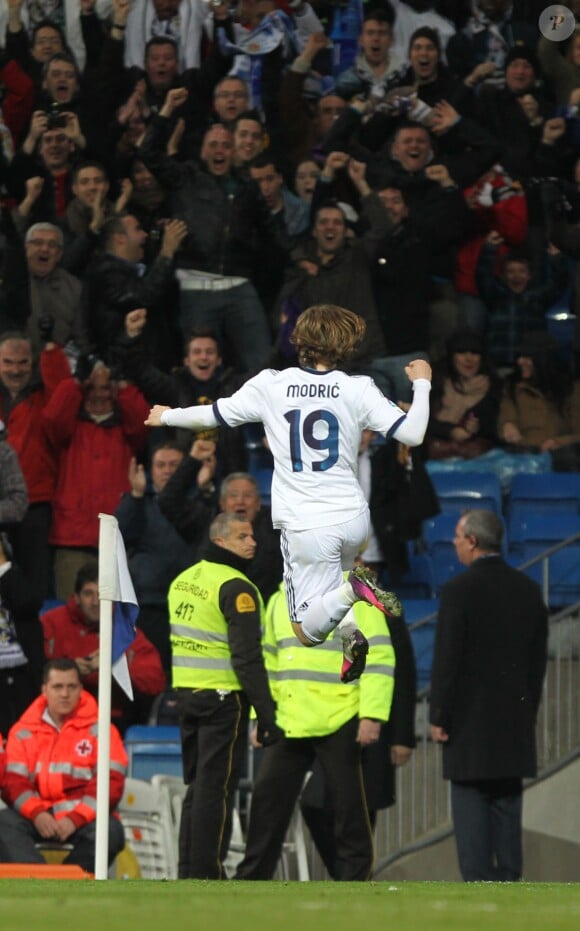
118, 613
115, 585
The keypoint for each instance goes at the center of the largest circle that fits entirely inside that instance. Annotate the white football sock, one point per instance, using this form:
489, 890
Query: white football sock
325, 613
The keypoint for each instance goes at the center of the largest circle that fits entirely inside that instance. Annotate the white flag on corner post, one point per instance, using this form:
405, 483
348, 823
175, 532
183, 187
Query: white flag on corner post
118, 612
115, 585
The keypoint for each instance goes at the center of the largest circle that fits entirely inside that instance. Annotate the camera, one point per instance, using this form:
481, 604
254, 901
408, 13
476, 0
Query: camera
55, 120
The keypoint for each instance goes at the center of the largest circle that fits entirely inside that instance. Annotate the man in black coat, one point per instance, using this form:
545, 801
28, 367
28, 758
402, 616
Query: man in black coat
231, 232
118, 283
488, 671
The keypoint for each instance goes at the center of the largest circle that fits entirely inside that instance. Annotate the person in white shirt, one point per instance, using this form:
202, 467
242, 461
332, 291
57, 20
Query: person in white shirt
313, 417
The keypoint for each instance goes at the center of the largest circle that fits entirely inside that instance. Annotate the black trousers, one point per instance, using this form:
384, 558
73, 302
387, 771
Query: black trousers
487, 818
18, 838
276, 791
31, 549
153, 620
214, 736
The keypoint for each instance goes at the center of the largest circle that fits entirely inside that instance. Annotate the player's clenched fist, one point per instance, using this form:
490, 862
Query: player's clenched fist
418, 368
154, 418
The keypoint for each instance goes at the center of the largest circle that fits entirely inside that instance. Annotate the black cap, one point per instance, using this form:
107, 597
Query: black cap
522, 51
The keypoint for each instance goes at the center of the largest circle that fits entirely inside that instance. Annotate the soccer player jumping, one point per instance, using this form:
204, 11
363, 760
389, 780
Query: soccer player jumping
313, 416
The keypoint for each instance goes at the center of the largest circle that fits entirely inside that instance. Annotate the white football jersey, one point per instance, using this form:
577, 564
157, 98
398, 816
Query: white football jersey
313, 422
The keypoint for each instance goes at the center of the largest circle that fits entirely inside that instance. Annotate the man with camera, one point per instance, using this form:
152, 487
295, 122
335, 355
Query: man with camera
47, 153
59, 132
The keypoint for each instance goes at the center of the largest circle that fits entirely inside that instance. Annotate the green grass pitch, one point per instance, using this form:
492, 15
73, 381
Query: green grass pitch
40, 905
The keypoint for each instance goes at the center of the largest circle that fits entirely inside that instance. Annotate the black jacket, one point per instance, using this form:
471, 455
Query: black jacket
524, 153
230, 227
488, 671
245, 637
181, 389
467, 150
346, 279
402, 497
116, 287
403, 289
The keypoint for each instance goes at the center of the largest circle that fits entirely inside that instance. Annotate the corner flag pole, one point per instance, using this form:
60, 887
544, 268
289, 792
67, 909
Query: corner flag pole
107, 577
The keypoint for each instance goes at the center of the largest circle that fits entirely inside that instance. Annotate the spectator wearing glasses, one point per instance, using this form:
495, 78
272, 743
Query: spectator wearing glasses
41, 298
48, 154
306, 121
32, 50
230, 99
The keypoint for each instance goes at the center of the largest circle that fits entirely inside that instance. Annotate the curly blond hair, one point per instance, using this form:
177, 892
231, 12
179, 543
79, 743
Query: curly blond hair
327, 334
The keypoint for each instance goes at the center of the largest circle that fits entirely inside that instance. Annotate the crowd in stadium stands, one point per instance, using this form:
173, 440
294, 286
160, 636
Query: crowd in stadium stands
179, 180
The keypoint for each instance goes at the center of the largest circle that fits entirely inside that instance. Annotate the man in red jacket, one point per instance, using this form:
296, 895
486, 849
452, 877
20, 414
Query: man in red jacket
50, 783
23, 395
72, 630
95, 425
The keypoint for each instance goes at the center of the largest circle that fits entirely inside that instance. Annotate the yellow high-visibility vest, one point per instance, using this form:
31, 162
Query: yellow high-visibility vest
201, 657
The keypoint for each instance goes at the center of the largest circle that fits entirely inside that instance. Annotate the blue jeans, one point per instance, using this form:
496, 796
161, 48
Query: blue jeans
237, 318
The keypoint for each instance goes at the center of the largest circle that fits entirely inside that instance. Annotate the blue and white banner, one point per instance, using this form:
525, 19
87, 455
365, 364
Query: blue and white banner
275, 28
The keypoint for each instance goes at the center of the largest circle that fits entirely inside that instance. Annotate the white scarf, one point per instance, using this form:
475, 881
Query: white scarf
185, 29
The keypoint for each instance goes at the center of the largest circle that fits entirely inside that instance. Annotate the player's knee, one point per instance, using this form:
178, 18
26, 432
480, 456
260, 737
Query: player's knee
304, 640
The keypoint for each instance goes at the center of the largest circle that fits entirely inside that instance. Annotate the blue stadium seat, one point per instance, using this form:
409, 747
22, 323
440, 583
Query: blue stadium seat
458, 491
263, 476
418, 582
546, 493
153, 750
49, 603
422, 637
260, 461
417, 609
542, 531
438, 533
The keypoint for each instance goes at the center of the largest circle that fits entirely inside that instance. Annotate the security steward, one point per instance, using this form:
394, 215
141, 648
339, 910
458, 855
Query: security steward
324, 720
216, 616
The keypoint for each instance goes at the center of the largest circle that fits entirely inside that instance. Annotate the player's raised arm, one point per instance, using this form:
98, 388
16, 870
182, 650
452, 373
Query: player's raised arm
192, 418
412, 429
154, 416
